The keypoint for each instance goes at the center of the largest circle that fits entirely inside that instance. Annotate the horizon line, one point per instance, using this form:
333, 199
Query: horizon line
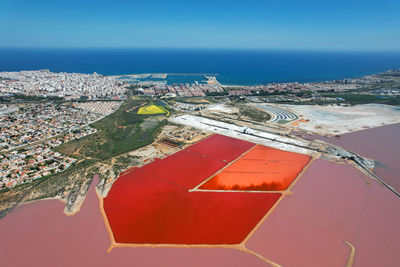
200, 48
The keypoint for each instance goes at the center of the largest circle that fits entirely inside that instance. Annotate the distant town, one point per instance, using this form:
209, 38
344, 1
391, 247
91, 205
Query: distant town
43, 84
41, 110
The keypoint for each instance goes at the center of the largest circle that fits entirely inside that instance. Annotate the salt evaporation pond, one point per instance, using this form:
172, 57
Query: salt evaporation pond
329, 204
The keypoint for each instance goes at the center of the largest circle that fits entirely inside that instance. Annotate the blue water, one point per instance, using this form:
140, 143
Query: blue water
234, 66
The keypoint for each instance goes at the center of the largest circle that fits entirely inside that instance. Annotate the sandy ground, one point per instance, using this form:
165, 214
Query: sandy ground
336, 120
221, 108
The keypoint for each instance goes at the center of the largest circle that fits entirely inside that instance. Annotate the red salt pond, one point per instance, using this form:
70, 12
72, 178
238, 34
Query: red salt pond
331, 204
39, 234
221, 147
191, 166
184, 168
143, 209
262, 168
153, 204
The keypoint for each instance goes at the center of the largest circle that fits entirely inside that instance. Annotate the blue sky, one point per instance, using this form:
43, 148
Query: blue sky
279, 24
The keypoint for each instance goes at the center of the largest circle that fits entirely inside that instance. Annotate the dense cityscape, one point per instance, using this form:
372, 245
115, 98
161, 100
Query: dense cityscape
66, 85
29, 134
70, 86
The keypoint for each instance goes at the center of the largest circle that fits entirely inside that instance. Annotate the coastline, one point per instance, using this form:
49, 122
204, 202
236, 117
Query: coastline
235, 67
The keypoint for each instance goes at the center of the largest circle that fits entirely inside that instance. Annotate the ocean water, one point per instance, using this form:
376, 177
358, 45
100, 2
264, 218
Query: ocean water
243, 67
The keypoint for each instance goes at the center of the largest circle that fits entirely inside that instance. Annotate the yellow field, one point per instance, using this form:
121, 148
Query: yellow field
152, 109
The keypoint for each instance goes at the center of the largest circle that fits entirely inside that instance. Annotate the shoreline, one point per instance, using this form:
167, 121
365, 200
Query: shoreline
163, 73
250, 82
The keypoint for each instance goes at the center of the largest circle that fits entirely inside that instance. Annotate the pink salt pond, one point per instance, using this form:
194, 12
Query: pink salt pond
380, 144
332, 204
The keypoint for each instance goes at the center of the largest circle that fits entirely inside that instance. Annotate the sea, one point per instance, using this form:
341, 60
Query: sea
234, 67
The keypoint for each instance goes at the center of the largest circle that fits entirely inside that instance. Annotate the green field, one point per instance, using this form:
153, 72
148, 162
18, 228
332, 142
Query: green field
118, 133
367, 99
253, 113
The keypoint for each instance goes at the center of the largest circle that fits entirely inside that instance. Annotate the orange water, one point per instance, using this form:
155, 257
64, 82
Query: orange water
262, 168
